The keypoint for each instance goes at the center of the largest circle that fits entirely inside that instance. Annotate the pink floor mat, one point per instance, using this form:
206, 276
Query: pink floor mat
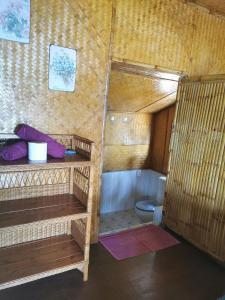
138, 241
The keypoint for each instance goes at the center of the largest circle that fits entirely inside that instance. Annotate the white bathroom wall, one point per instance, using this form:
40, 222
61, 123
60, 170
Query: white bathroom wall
118, 191
121, 189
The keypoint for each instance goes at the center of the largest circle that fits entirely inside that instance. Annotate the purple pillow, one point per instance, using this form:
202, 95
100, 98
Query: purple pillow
31, 134
14, 151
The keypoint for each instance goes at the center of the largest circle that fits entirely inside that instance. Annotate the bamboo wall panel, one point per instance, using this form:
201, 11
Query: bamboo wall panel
127, 129
24, 93
154, 32
170, 34
195, 197
130, 92
120, 157
127, 139
208, 55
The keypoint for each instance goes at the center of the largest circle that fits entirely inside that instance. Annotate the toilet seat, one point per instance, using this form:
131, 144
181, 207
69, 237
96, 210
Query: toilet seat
145, 205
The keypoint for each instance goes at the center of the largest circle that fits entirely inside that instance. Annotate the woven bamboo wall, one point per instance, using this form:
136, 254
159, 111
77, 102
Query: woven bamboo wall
169, 34
195, 197
24, 94
208, 55
127, 139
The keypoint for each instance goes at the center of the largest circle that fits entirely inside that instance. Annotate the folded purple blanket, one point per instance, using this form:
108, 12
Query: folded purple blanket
31, 134
14, 151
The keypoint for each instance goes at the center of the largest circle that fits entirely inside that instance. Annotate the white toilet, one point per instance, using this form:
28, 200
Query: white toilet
150, 210
145, 210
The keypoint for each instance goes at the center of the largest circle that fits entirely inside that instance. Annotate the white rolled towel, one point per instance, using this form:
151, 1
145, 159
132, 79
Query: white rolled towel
37, 151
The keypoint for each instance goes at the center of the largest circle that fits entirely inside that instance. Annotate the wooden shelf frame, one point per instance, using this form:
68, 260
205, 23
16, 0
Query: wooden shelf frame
40, 202
24, 211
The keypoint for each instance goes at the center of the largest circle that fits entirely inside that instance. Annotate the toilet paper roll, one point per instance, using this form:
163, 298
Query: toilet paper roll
37, 151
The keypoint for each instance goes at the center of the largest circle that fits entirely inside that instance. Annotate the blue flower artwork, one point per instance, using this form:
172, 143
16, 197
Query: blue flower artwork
15, 20
62, 69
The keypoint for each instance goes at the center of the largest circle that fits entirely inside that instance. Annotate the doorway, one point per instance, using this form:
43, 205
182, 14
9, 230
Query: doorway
136, 95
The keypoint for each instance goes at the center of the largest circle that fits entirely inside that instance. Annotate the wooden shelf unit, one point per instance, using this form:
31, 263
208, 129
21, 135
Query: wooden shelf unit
45, 214
33, 260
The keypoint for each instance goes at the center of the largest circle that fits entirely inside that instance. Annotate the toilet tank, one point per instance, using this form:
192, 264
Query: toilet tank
161, 190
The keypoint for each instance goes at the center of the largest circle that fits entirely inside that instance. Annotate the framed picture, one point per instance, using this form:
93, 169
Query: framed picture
15, 20
62, 68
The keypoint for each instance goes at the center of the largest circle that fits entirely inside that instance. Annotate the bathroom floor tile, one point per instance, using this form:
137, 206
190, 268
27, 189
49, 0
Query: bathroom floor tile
118, 221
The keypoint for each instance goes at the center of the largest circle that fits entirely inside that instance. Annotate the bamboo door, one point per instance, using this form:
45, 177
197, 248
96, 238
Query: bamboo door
195, 194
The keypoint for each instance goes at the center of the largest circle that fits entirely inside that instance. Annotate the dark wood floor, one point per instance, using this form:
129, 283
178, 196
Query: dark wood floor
181, 272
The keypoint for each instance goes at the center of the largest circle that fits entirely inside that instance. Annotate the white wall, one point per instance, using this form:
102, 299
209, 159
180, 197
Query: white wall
121, 189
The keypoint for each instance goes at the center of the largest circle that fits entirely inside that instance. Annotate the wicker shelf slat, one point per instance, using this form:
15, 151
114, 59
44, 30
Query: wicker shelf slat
24, 164
37, 258
18, 234
41, 208
34, 203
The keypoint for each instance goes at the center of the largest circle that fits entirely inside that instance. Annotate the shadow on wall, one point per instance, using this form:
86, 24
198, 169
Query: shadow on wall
134, 161
122, 189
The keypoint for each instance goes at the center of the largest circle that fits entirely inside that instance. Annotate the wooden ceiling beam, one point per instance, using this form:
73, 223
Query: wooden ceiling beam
146, 71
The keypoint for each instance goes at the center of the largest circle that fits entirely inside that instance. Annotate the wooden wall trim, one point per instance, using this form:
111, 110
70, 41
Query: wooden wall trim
206, 78
207, 8
160, 139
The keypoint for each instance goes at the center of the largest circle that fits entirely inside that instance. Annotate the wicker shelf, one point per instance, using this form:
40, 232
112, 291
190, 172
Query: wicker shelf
45, 214
76, 161
33, 260
23, 211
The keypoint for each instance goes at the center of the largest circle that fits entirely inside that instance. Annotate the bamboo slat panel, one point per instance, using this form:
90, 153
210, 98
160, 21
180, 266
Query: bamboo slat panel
195, 196
131, 93
208, 56
127, 129
127, 139
24, 93
170, 34
119, 157
154, 32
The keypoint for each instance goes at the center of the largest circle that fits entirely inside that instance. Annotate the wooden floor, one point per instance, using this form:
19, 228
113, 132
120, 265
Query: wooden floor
180, 272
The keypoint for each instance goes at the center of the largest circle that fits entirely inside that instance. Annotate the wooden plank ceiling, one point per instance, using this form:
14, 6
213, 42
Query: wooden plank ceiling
135, 93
